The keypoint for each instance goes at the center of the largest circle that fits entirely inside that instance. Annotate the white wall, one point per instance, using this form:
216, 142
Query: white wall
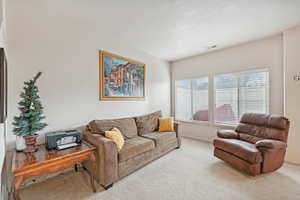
1, 10
2, 129
62, 40
292, 89
265, 53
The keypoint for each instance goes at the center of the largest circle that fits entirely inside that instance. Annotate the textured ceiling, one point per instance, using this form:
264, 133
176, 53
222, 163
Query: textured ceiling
174, 29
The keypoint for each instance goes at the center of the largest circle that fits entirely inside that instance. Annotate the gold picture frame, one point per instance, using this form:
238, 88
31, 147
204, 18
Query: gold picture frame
121, 78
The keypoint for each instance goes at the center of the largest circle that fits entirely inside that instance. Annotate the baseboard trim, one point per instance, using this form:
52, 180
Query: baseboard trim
292, 163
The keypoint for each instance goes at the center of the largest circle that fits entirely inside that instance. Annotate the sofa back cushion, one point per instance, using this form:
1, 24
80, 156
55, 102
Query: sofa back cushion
254, 127
148, 123
127, 126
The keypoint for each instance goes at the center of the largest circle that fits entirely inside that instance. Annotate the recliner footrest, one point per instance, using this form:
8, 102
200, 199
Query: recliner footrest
252, 169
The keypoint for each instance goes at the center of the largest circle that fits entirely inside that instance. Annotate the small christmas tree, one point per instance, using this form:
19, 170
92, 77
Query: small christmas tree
28, 123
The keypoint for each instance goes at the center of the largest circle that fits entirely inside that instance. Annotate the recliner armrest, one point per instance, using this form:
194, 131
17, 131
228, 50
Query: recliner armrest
227, 134
270, 144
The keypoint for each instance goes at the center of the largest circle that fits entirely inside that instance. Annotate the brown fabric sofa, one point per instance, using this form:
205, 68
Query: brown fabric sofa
143, 144
257, 145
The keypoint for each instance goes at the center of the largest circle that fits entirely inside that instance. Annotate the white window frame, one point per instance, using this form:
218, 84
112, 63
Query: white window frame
218, 124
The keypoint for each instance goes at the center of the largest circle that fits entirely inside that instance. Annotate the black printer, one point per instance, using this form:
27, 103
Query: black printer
63, 139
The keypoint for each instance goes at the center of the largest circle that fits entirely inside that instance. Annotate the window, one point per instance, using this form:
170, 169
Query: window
191, 99
238, 93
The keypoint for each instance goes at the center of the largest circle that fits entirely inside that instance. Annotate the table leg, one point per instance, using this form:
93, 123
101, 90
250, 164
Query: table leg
17, 184
76, 167
93, 159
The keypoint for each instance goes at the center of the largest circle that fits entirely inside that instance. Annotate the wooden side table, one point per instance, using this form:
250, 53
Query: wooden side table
29, 165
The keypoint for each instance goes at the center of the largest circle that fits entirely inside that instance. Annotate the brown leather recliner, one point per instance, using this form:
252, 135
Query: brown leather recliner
257, 145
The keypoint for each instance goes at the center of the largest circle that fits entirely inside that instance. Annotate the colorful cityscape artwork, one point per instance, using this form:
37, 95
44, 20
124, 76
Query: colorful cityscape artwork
121, 78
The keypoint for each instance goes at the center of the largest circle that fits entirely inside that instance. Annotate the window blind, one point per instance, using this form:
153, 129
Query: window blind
239, 93
226, 98
191, 99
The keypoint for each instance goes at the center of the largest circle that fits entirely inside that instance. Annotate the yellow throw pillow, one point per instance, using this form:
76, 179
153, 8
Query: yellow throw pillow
116, 136
166, 124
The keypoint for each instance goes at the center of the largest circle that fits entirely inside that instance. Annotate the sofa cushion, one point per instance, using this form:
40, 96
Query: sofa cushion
134, 147
147, 123
244, 150
161, 138
127, 126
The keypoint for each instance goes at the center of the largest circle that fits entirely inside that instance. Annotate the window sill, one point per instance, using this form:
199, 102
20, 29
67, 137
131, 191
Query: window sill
194, 122
229, 126
203, 123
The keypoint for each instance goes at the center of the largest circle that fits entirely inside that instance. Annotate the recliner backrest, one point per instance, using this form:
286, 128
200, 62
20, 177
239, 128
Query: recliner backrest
254, 127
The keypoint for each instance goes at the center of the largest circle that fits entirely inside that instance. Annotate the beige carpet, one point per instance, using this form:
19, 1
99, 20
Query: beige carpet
190, 173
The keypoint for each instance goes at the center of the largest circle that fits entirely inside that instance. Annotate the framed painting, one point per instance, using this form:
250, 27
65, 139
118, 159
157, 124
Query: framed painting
121, 78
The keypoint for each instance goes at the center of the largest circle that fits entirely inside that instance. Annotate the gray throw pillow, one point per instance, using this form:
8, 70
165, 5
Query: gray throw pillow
148, 123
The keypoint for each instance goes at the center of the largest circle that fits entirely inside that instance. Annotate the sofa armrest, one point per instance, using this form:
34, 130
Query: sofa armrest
227, 134
178, 133
107, 158
270, 144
